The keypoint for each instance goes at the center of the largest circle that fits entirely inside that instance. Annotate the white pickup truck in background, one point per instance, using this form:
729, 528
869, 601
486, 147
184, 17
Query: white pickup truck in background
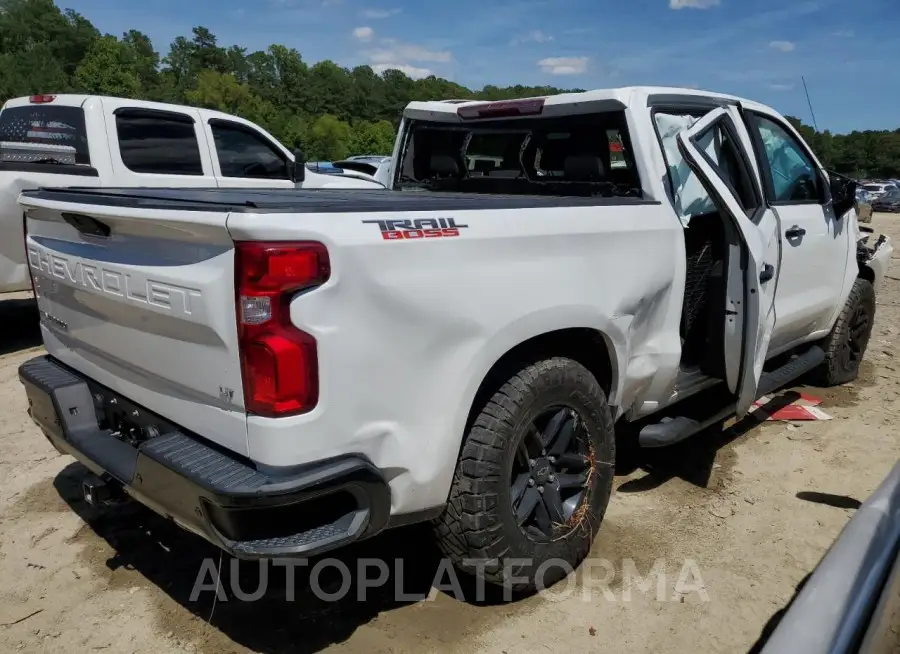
78, 140
285, 372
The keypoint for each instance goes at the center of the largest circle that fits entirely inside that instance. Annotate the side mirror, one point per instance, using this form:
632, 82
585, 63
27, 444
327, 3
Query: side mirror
298, 174
843, 193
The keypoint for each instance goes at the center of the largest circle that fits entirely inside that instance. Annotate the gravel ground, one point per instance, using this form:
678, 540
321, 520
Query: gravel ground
741, 515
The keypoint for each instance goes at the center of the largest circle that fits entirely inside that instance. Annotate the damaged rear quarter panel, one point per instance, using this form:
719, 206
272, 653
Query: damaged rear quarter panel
408, 329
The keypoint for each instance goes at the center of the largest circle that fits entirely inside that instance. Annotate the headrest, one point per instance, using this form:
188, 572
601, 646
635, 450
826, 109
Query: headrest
583, 167
444, 164
483, 165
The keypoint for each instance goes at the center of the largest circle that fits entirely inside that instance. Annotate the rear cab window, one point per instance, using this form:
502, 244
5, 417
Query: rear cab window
567, 155
44, 126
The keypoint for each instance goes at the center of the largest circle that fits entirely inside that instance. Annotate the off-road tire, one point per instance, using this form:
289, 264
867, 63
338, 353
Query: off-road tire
478, 531
846, 345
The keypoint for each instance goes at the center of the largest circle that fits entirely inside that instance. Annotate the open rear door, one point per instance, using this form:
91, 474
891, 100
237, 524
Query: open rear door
714, 148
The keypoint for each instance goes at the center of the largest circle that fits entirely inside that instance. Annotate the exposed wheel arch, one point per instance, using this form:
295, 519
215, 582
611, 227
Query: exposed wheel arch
589, 347
865, 272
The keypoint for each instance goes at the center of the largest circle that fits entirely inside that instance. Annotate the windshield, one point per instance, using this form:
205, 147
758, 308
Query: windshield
46, 125
582, 155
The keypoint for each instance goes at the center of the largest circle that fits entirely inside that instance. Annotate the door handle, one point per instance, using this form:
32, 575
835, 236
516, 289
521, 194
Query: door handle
795, 232
768, 272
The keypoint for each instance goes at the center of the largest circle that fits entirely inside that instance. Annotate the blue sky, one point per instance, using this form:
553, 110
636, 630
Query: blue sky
848, 50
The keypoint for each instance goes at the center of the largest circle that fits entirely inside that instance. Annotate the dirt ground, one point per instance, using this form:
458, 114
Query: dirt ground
754, 508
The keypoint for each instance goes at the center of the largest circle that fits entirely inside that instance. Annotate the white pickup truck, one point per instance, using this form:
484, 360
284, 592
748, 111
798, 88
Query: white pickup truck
285, 372
94, 141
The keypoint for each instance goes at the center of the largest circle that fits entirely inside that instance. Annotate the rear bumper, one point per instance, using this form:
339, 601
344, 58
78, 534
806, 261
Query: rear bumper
218, 495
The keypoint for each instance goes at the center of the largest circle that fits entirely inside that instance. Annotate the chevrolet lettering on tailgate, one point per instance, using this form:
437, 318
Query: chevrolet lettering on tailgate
107, 280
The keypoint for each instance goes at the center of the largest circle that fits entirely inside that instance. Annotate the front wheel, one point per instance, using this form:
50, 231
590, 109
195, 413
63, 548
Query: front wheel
533, 479
846, 345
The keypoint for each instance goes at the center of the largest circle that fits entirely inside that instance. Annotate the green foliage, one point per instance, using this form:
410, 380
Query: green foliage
869, 154
108, 68
329, 138
331, 111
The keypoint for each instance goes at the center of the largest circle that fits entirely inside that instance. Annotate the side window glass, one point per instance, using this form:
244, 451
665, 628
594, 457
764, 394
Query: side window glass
724, 153
151, 142
791, 172
245, 154
690, 196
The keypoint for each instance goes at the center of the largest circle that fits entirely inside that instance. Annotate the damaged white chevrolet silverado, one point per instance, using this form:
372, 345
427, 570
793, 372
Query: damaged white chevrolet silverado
285, 372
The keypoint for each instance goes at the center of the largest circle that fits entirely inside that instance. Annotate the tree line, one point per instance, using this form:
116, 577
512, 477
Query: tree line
332, 111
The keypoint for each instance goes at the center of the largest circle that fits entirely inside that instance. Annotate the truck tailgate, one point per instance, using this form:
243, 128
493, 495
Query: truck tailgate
143, 302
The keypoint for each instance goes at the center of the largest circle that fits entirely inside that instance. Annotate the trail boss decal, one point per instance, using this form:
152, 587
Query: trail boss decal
399, 230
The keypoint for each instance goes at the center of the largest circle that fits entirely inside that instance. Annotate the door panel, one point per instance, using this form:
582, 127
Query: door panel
244, 158
815, 239
730, 179
152, 147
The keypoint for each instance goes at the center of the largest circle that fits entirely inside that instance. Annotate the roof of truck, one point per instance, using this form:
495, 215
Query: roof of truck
595, 100
78, 100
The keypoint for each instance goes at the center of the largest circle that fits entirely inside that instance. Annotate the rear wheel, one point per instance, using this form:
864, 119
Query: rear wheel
533, 479
846, 345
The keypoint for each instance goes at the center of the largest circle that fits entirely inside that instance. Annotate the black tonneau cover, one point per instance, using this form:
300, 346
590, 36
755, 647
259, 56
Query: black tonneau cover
313, 200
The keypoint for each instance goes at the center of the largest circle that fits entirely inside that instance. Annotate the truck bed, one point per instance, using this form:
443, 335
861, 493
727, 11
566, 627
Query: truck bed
314, 200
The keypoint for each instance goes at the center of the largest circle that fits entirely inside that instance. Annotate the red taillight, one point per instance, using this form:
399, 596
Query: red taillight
502, 109
279, 363
41, 99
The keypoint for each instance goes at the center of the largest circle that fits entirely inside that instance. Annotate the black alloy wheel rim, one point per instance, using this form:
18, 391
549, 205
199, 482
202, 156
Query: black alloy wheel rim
550, 474
856, 337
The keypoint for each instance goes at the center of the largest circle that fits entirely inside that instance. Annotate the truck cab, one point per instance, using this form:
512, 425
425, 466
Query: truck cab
96, 141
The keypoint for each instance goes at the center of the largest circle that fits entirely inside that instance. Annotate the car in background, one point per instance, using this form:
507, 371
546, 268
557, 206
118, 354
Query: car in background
889, 202
877, 189
323, 167
375, 167
71, 140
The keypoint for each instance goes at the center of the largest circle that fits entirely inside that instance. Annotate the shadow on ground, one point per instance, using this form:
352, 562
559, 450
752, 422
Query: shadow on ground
288, 616
692, 459
19, 326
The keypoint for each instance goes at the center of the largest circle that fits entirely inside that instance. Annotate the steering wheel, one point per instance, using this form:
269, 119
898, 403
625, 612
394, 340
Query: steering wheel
255, 169
802, 185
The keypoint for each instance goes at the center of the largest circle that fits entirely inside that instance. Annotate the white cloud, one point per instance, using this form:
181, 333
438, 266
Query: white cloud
781, 87
784, 46
381, 13
563, 65
411, 71
693, 4
535, 36
404, 52
364, 33
406, 57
